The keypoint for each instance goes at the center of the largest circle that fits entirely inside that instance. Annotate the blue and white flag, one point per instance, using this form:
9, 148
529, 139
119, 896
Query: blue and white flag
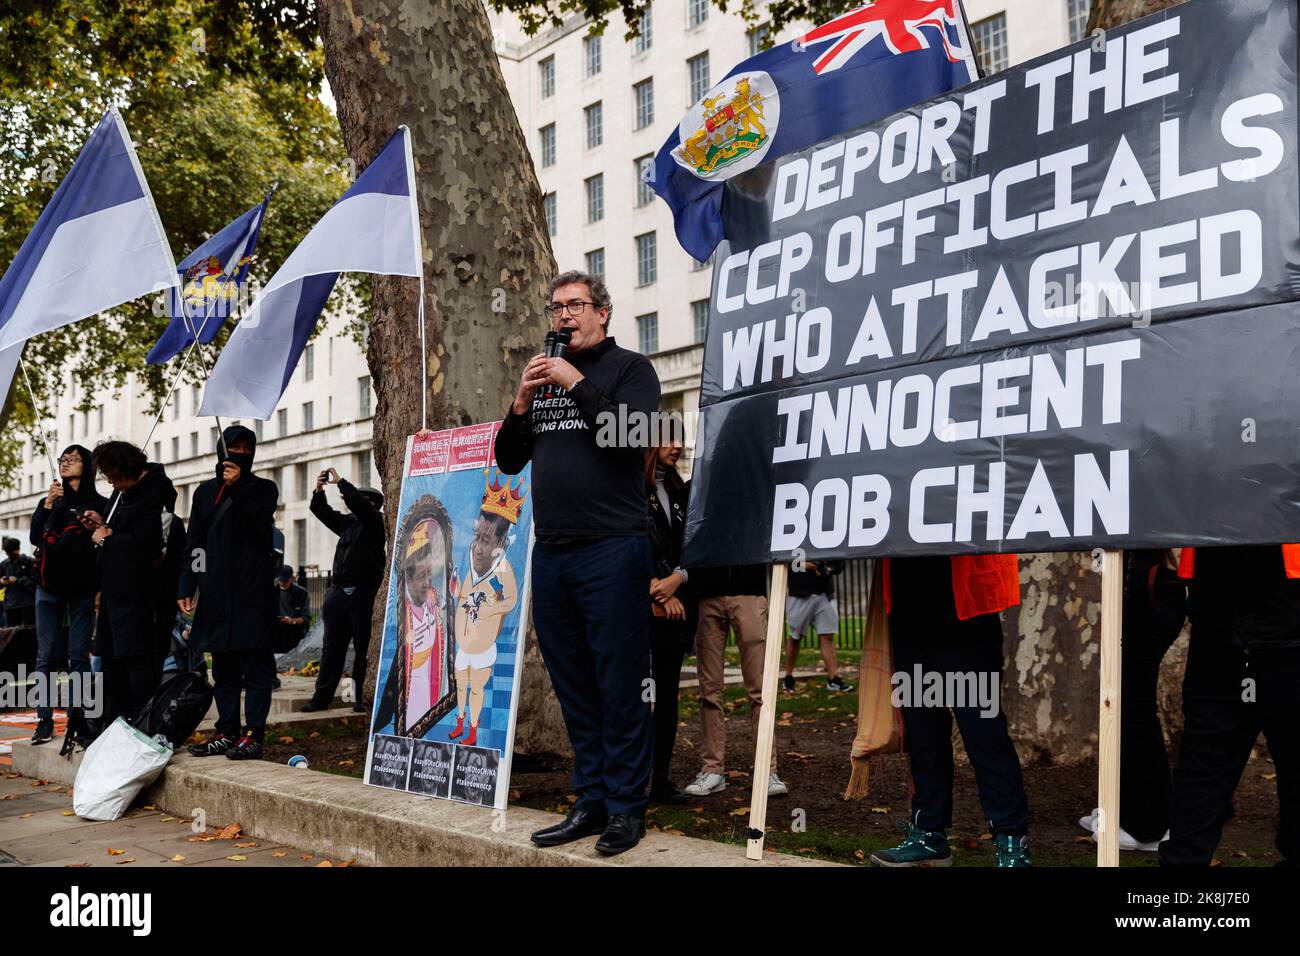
211, 277
850, 71
374, 227
98, 243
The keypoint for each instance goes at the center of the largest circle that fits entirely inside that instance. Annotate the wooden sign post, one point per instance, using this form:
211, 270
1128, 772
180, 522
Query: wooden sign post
767, 715
1112, 617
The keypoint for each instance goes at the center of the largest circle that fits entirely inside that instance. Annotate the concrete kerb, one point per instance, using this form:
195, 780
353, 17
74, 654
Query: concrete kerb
343, 818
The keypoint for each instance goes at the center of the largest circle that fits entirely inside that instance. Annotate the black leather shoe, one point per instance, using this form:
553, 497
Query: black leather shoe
623, 832
311, 707
578, 824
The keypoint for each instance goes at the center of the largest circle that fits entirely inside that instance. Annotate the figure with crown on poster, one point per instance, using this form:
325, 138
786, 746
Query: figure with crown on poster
484, 596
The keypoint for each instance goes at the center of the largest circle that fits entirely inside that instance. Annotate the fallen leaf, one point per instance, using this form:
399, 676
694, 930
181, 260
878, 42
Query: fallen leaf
798, 756
314, 733
12, 776
279, 854
736, 773
168, 819
346, 763
306, 856
1241, 854
24, 816
75, 866
202, 838
286, 740
69, 813
739, 812
880, 809
11, 796
112, 852
1083, 839
859, 854
348, 862
1216, 862
178, 858
323, 863
148, 807
238, 858
986, 836
229, 832
125, 859
244, 846
1268, 776
41, 783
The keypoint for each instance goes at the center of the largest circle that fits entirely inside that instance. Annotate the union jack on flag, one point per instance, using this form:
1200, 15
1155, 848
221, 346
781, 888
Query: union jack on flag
898, 22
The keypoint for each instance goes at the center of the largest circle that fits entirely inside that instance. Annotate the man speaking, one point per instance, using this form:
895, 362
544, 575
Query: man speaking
591, 603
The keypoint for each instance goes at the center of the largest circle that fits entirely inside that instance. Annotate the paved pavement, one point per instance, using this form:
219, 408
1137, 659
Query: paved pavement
38, 828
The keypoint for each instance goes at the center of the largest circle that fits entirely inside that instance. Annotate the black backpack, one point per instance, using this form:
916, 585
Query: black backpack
177, 708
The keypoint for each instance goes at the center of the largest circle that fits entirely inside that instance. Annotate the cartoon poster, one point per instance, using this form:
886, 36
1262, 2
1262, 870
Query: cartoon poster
448, 684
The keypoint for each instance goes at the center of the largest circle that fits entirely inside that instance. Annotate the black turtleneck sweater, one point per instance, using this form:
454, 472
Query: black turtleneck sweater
581, 491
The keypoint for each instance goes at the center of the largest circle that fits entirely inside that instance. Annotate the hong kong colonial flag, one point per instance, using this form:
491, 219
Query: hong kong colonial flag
853, 70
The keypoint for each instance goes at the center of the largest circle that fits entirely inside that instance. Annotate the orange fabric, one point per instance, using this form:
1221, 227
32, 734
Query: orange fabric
1290, 561
981, 584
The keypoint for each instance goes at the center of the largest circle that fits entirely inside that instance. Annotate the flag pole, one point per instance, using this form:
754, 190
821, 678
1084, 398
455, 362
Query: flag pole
418, 245
37, 412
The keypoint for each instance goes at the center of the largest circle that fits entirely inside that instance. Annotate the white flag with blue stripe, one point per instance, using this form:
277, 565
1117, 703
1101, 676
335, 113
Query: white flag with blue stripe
374, 227
98, 243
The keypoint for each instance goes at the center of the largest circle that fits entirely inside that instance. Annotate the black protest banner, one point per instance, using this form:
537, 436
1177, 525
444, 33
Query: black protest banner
1053, 310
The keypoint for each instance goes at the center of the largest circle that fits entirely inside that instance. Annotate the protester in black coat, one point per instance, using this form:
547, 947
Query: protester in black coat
229, 564
354, 581
132, 541
66, 576
674, 612
18, 578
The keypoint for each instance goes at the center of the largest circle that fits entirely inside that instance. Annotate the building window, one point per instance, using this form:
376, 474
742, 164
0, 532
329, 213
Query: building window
645, 193
309, 363
595, 116
547, 69
194, 399
194, 444
697, 68
548, 209
546, 135
991, 43
647, 333
758, 39
308, 416
647, 259
697, 11
282, 423
595, 197
363, 397
300, 534
645, 32
258, 428
1077, 15
591, 46
157, 451
300, 480
176, 448
596, 263
176, 409
699, 320
216, 440
698, 264
363, 467
643, 94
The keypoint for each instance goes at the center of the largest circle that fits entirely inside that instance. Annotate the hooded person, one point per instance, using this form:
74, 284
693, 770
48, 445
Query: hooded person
231, 520
354, 581
132, 544
66, 576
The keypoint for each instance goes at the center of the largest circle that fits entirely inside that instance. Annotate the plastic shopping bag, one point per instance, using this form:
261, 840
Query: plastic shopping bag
116, 767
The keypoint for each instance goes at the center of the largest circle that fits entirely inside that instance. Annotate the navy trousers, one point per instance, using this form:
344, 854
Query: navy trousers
232, 672
591, 608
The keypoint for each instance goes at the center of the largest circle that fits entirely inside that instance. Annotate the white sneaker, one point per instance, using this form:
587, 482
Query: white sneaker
706, 783
1126, 840
775, 786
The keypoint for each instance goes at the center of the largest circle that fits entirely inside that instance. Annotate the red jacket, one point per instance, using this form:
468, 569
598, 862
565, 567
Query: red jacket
981, 584
1290, 561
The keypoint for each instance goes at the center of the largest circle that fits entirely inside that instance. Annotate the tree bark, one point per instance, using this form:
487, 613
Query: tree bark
1107, 14
487, 258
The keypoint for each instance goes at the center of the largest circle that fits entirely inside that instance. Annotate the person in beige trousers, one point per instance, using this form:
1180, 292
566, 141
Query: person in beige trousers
730, 598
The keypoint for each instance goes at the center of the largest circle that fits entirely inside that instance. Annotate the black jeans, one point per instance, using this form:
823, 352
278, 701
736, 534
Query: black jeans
1154, 612
926, 633
124, 642
232, 672
667, 651
1219, 731
591, 608
346, 618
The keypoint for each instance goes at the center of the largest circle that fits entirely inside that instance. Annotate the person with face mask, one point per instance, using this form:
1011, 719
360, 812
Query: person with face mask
230, 562
354, 581
131, 539
66, 579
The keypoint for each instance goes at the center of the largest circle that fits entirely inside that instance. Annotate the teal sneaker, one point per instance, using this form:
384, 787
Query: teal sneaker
1012, 850
920, 848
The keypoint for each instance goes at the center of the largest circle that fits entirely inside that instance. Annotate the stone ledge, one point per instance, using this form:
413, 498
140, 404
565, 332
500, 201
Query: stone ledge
343, 818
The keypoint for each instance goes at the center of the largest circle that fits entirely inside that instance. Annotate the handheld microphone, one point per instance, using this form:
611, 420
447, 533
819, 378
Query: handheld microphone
548, 345
561, 346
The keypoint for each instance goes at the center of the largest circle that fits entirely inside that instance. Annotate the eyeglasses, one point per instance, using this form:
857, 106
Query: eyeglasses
573, 307
70, 460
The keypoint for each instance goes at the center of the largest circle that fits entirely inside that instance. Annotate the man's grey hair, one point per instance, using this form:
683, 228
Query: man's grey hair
599, 294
